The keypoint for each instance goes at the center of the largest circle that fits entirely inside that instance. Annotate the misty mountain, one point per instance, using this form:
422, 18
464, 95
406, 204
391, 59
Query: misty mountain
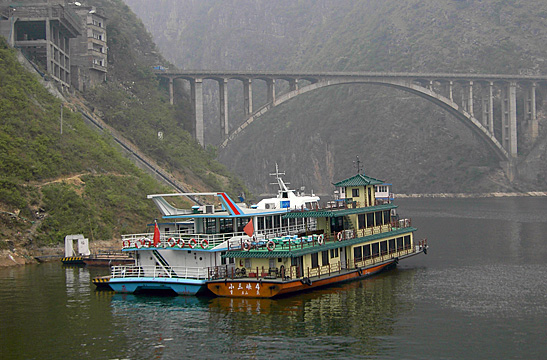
399, 137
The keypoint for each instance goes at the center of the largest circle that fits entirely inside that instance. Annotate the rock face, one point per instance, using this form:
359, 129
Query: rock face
399, 137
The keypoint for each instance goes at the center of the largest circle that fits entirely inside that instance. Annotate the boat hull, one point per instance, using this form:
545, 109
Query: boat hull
264, 288
143, 284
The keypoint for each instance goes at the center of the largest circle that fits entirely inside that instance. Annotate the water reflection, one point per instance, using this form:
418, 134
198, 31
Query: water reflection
347, 319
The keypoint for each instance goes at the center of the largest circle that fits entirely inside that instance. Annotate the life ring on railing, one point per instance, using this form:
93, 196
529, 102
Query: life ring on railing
270, 245
321, 239
339, 236
192, 243
204, 244
171, 242
181, 243
146, 243
138, 244
126, 243
246, 246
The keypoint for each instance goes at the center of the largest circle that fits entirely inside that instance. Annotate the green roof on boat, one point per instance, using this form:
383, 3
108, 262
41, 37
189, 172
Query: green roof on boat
358, 180
337, 213
312, 249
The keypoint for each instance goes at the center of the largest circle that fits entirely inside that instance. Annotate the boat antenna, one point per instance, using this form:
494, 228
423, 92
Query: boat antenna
280, 182
357, 163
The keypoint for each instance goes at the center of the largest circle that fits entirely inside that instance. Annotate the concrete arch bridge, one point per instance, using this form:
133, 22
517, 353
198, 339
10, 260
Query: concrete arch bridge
469, 97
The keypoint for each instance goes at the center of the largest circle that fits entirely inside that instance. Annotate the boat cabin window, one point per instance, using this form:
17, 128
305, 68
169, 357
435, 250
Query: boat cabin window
399, 243
284, 195
383, 247
337, 223
260, 222
407, 242
366, 251
210, 225
387, 216
358, 253
370, 196
375, 249
355, 192
370, 219
222, 260
241, 222
226, 225
391, 244
315, 260
324, 258
334, 253
378, 219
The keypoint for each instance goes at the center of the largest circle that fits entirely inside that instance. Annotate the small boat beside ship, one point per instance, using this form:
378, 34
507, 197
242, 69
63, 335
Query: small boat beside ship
237, 251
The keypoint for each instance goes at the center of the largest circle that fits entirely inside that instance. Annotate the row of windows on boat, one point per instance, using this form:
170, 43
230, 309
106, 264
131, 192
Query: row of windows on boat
237, 225
367, 220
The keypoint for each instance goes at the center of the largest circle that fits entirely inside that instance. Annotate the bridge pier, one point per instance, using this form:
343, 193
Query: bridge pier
488, 107
270, 97
247, 97
530, 110
223, 100
509, 118
196, 89
171, 92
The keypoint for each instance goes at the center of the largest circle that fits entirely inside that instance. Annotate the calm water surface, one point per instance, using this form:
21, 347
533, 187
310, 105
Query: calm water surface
480, 293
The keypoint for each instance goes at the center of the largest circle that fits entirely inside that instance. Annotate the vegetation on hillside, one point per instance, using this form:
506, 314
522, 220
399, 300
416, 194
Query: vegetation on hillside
54, 184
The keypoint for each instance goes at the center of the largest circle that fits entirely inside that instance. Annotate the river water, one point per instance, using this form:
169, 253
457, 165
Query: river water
480, 293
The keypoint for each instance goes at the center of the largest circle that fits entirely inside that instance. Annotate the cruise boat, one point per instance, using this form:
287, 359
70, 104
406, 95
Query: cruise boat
188, 243
350, 239
186, 248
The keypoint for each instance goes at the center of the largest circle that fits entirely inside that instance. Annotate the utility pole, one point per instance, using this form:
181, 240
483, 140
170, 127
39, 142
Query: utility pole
61, 118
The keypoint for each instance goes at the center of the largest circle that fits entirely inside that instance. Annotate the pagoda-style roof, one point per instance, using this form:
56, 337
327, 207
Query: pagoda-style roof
358, 180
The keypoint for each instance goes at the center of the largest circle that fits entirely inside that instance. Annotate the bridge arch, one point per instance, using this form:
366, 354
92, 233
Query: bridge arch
406, 85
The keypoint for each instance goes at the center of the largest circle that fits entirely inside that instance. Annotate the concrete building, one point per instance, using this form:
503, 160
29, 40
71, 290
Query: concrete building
88, 51
42, 31
65, 39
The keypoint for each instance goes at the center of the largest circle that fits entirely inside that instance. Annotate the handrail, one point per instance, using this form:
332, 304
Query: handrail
176, 272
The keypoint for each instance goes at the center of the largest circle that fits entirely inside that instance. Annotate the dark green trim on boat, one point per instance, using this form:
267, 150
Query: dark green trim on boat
337, 213
312, 249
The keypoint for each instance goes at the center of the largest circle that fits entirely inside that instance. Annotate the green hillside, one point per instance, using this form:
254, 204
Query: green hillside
54, 184
59, 184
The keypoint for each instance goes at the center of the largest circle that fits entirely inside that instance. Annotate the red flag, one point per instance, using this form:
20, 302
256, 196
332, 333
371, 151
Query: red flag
249, 228
156, 234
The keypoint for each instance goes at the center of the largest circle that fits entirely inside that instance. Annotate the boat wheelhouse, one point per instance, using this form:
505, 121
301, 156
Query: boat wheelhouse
287, 198
350, 239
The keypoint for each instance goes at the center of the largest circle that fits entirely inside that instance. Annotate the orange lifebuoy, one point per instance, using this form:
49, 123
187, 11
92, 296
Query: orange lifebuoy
181, 243
171, 242
138, 244
126, 243
192, 243
339, 236
270, 246
204, 243
321, 239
